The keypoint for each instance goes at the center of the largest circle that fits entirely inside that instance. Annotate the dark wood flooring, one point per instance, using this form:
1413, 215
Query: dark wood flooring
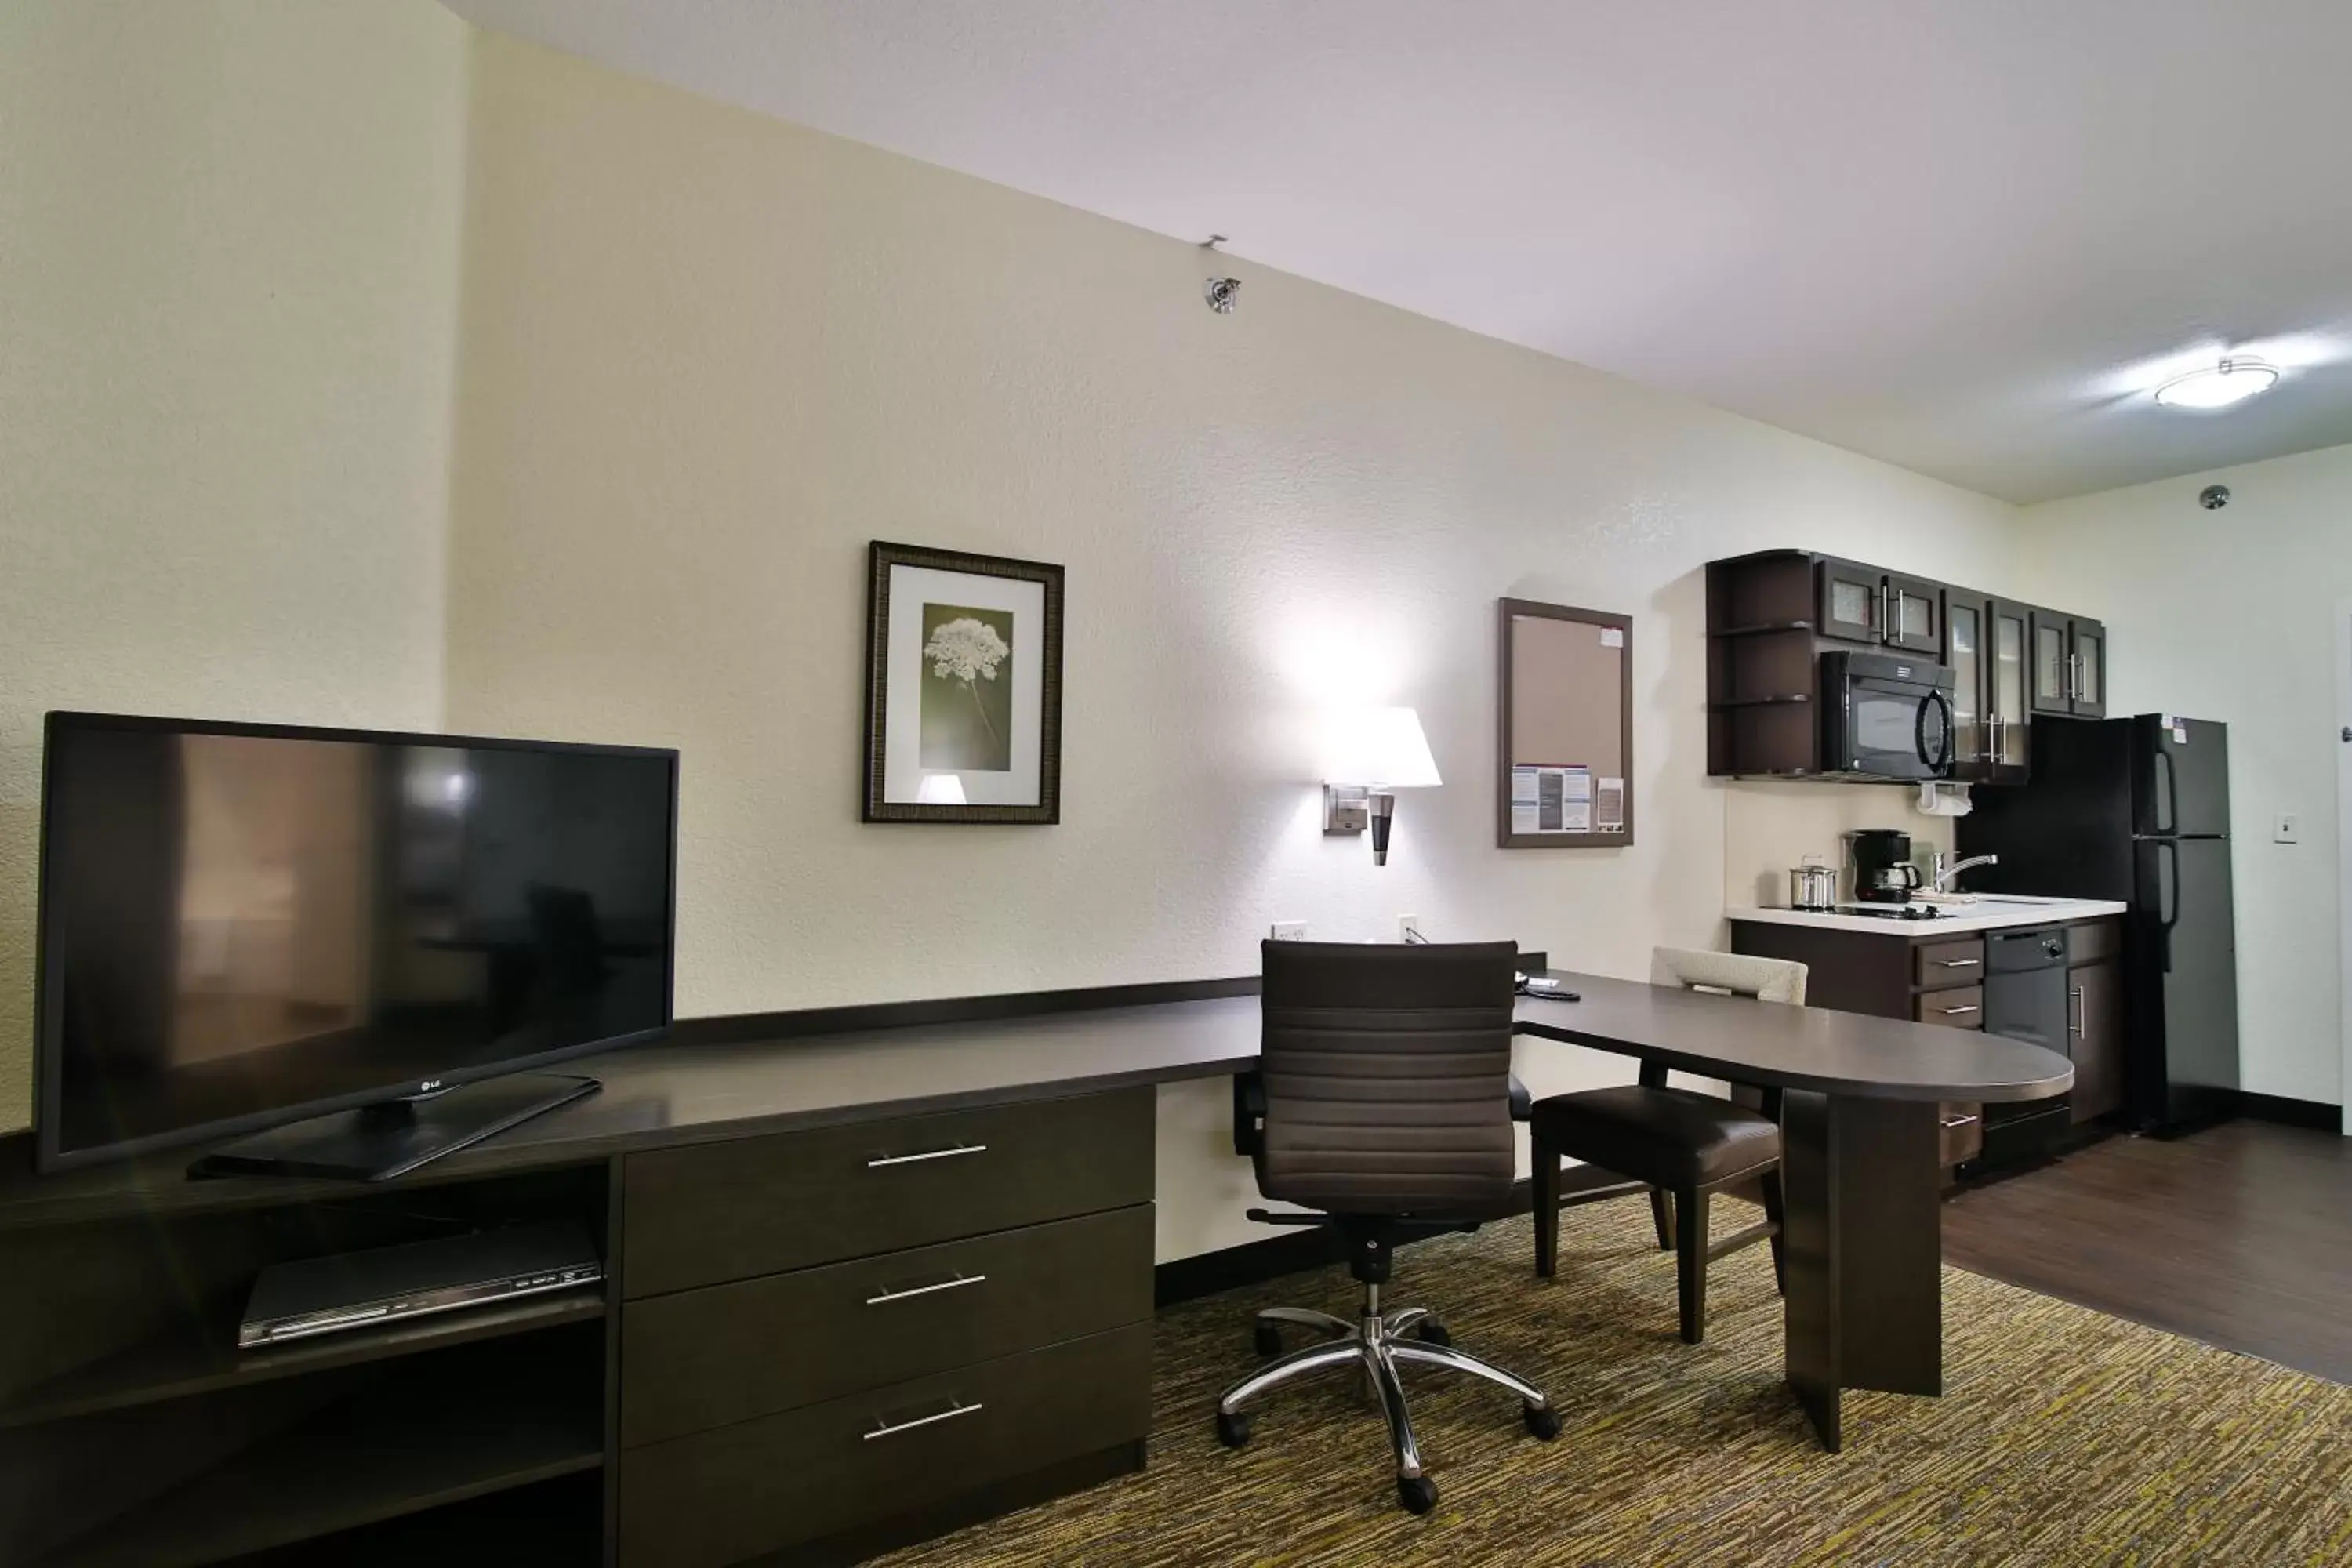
2240, 1235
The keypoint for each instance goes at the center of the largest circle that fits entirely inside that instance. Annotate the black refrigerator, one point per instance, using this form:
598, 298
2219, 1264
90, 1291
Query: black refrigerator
2137, 810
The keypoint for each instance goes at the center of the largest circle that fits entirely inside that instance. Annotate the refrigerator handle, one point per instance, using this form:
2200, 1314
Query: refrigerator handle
2167, 795
2171, 850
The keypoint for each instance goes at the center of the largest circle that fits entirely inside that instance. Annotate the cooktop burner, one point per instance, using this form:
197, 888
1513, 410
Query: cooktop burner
1893, 911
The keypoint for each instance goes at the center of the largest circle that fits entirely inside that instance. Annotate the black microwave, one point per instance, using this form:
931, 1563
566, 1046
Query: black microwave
1885, 718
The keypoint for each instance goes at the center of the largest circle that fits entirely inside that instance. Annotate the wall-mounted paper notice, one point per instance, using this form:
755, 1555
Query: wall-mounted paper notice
1548, 799
1609, 806
1612, 636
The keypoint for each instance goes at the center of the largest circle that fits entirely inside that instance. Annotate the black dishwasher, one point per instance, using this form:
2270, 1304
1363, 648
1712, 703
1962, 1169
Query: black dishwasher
2025, 998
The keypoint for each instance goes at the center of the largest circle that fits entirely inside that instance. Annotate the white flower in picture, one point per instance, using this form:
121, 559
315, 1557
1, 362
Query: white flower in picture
967, 650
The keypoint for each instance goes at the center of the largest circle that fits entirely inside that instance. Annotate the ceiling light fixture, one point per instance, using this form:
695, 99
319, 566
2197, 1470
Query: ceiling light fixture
2231, 382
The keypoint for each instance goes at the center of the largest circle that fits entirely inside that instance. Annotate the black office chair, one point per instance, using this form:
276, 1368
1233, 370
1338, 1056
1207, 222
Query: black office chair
1386, 1073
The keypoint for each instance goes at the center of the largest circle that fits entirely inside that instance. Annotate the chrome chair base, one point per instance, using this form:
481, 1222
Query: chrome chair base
1378, 1342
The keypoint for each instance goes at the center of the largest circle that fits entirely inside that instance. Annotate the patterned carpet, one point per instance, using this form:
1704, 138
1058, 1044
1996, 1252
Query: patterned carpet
2064, 1436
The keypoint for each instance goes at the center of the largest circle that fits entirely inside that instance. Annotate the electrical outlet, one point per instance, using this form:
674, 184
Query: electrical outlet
1409, 929
1290, 931
2286, 828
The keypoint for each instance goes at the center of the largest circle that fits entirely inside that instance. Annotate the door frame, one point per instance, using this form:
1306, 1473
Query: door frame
2344, 855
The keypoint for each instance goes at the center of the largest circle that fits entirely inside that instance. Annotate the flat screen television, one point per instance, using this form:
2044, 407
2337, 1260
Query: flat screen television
244, 925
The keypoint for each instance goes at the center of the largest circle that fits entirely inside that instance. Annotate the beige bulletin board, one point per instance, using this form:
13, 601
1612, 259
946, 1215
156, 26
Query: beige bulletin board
1564, 778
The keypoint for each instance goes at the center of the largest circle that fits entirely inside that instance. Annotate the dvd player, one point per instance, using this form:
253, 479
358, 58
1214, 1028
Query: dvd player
354, 1289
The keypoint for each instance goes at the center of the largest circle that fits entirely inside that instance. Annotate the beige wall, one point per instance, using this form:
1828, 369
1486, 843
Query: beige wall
2236, 615
708, 356
228, 271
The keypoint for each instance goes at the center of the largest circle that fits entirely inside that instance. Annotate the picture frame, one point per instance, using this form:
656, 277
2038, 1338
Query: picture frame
963, 688
1564, 767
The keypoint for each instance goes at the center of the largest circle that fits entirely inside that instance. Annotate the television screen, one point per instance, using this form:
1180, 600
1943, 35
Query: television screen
241, 925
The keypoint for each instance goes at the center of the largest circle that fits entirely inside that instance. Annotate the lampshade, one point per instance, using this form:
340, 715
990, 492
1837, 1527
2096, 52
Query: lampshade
1382, 747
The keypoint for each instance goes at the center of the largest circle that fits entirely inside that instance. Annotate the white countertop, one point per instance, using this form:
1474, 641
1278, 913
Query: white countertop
1988, 913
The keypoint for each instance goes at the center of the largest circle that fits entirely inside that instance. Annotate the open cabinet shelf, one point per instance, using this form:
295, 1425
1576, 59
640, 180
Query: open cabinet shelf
172, 1365
412, 1439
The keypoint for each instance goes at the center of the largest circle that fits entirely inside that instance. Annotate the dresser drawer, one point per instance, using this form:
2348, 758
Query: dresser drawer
716, 1212
699, 1359
1935, 963
1960, 1008
720, 1497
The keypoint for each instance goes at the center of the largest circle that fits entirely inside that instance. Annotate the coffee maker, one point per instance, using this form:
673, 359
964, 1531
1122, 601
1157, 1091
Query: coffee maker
1883, 872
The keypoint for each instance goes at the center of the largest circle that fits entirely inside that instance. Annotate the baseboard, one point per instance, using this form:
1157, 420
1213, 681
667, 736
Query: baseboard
2289, 1112
1300, 1251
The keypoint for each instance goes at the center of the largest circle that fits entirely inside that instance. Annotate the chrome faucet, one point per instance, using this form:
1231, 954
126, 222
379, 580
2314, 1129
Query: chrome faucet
1941, 882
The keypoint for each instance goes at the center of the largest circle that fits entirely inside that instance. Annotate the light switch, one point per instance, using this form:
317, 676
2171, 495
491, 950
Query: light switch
2286, 828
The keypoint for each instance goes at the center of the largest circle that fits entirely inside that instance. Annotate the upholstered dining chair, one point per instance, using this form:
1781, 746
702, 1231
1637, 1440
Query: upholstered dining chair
1682, 1145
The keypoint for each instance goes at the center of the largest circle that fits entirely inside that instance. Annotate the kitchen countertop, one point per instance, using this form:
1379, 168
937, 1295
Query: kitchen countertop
1988, 914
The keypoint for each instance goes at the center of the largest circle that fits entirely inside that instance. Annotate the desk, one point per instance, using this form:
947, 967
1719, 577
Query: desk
1859, 1174
706, 1166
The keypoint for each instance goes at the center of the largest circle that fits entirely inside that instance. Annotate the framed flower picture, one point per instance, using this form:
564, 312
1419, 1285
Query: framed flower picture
963, 688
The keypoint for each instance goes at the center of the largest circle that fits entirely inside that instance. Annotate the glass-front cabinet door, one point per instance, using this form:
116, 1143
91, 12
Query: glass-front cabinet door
1912, 614
2054, 665
1851, 601
1964, 650
2090, 645
2008, 633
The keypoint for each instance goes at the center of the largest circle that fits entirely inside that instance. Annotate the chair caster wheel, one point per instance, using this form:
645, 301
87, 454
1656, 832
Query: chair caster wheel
1268, 1340
1233, 1430
1417, 1493
1430, 1331
1542, 1420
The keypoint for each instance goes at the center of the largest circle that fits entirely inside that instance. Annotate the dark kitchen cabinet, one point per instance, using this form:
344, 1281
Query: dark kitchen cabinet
1913, 619
1870, 605
1938, 977
1851, 603
1984, 643
1771, 617
2070, 666
2095, 999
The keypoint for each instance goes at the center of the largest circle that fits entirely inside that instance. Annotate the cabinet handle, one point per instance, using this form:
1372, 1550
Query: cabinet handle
885, 1429
1956, 1012
2083, 1030
1951, 1122
960, 1280
1957, 963
876, 1165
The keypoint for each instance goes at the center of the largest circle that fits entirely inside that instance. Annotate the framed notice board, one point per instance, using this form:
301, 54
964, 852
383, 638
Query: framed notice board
1566, 754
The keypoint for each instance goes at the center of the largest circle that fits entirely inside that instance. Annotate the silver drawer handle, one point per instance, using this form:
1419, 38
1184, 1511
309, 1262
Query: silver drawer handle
1957, 963
884, 1429
955, 1284
1956, 1012
877, 1164
1959, 1122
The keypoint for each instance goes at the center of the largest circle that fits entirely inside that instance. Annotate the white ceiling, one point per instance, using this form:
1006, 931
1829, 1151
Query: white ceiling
1963, 236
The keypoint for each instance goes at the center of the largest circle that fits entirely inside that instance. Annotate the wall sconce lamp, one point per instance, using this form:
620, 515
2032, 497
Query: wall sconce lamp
1384, 748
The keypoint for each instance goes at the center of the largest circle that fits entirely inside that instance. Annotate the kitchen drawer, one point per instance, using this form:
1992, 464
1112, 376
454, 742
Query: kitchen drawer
1959, 1009
705, 1357
715, 1212
1940, 964
2093, 942
1960, 1134
723, 1496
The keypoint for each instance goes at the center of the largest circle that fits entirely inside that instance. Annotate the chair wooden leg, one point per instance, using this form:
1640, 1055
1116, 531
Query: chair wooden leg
1663, 1218
1545, 1162
1690, 1261
1775, 1212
